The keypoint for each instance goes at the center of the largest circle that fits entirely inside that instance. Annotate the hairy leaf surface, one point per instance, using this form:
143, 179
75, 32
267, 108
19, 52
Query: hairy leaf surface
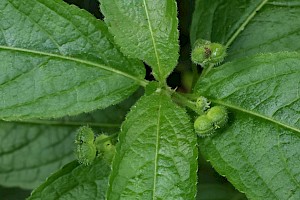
145, 29
75, 181
31, 150
156, 155
58, 60
248, 27
259, 149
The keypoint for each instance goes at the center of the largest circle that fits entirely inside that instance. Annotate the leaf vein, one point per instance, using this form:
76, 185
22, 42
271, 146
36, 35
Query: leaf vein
156, 148
78, 60
294, 129
245, 23
152, 37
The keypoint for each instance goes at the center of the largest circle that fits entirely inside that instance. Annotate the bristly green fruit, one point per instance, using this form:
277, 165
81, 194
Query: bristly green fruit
204, 126
86, 149
84, 135
218, 53
218, 115
102, 142
105, 147
204, 52
86, 153
202, 104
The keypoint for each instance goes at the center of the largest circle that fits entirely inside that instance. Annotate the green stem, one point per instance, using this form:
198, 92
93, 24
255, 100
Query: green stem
143, 83
206, 70
181, 99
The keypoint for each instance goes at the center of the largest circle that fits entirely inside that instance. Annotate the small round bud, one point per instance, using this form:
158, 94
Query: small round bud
202, 104
105, 147
218, 115
102, 144
203, 126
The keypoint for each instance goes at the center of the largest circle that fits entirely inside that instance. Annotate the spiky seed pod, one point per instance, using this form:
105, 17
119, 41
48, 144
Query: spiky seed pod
218, 53
84, 135
86, 149
218, 115
203, 126
86, 153
204, 52
201, 52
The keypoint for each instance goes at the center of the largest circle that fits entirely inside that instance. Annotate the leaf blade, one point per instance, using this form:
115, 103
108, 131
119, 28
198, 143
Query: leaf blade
31, 150
65, 64
242, 30
146, 30
29, 153
239, 85
75, 181
263, 127
167, 168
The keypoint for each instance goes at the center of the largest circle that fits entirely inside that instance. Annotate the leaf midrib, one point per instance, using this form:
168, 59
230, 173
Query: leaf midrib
234, 107
156, 148
67, 123
85, 62
245, 23
152, 37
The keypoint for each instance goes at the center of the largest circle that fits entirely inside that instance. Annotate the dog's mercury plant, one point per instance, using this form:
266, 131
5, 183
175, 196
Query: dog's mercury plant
65, 74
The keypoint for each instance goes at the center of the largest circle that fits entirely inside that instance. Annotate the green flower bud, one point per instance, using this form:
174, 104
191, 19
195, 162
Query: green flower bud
218, 115
204, 52
203, 126
105, 147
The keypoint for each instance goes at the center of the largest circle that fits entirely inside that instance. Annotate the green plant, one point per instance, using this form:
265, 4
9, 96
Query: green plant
60, 66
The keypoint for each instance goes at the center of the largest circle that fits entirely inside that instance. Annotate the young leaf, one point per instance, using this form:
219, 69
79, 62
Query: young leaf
259, 150
251, 27
58, 60
75, 181
145, 29
156, 155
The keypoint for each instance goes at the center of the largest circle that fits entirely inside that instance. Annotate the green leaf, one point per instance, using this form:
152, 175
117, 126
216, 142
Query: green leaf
145, 29
58, 60
75, 181
258, 151
156, 155
31, 150
248, 27
106, 120
212, 186
29, 153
